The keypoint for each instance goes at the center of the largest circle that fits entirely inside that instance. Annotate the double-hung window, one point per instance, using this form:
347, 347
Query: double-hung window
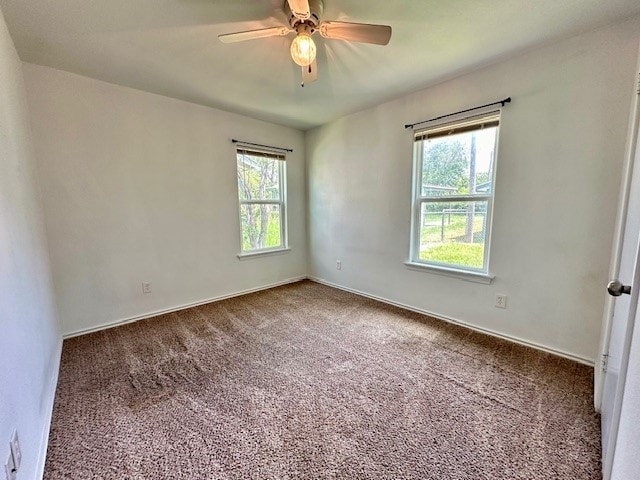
454, 174
262, 196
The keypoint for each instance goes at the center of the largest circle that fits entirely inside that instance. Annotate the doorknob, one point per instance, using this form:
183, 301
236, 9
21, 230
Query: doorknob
615, 288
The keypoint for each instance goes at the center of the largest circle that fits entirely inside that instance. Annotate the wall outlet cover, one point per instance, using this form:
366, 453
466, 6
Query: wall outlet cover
501, 300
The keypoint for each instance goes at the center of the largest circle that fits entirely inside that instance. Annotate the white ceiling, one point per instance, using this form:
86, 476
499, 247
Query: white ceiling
170, 47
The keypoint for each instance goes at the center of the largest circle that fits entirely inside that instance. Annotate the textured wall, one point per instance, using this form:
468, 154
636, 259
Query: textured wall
142, 188
559, 165
29, 335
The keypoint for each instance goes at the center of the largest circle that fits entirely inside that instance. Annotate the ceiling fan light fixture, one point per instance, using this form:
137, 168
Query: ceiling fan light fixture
305, 19
303, 49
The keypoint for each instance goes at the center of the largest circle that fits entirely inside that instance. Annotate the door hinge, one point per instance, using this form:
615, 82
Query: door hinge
638, 84
604, 362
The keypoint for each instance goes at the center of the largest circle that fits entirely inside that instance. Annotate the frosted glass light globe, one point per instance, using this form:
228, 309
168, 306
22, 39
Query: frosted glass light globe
303, 50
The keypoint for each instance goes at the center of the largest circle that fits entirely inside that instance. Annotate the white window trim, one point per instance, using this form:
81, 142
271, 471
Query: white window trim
282, 203
263, 252
469, 273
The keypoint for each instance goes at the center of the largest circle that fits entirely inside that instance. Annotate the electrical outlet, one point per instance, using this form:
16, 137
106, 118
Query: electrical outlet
501, 301
15, 449
146, 287
10, 468
338, 265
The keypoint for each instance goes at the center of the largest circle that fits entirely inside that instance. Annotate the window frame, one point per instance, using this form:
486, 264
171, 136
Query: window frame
280, 157
481, 275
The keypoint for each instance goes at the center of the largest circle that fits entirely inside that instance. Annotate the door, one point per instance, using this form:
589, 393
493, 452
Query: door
626, 270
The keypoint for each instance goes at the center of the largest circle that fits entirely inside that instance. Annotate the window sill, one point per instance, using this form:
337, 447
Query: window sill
452, 272
263, 253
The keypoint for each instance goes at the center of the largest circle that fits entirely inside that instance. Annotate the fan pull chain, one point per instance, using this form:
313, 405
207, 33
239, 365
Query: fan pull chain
302, 83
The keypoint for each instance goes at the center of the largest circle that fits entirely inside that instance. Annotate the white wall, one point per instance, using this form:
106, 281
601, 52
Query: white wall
560, 155
29, 336
142, 188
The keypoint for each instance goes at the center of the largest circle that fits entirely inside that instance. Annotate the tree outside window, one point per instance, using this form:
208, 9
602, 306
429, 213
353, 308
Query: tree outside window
261, 190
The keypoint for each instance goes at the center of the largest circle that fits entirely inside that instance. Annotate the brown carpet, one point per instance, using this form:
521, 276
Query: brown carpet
309, 382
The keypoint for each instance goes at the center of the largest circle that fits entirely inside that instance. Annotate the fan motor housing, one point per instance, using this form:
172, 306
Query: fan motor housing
316, 8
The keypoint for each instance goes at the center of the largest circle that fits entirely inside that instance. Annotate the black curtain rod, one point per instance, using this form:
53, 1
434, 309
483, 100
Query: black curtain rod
263, 146
502, 102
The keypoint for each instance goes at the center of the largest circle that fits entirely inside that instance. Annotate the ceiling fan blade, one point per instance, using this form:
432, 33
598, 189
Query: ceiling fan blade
252, 34
356, 32
300, 8
310, 73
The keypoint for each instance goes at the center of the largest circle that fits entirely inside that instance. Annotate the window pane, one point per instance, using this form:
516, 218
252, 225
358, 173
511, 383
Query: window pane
258, 177
458, 164
260, 226
453, 233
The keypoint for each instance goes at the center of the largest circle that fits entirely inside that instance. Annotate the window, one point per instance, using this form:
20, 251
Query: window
262, 195
454, 172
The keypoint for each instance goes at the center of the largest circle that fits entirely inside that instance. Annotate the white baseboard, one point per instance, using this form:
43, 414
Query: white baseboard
455, 321
155, 313
448, 319
50, 400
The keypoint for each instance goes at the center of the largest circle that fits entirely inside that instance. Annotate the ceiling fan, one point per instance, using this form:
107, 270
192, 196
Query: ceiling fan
304, 20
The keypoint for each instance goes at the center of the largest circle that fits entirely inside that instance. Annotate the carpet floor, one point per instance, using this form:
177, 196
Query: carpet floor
309, 382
